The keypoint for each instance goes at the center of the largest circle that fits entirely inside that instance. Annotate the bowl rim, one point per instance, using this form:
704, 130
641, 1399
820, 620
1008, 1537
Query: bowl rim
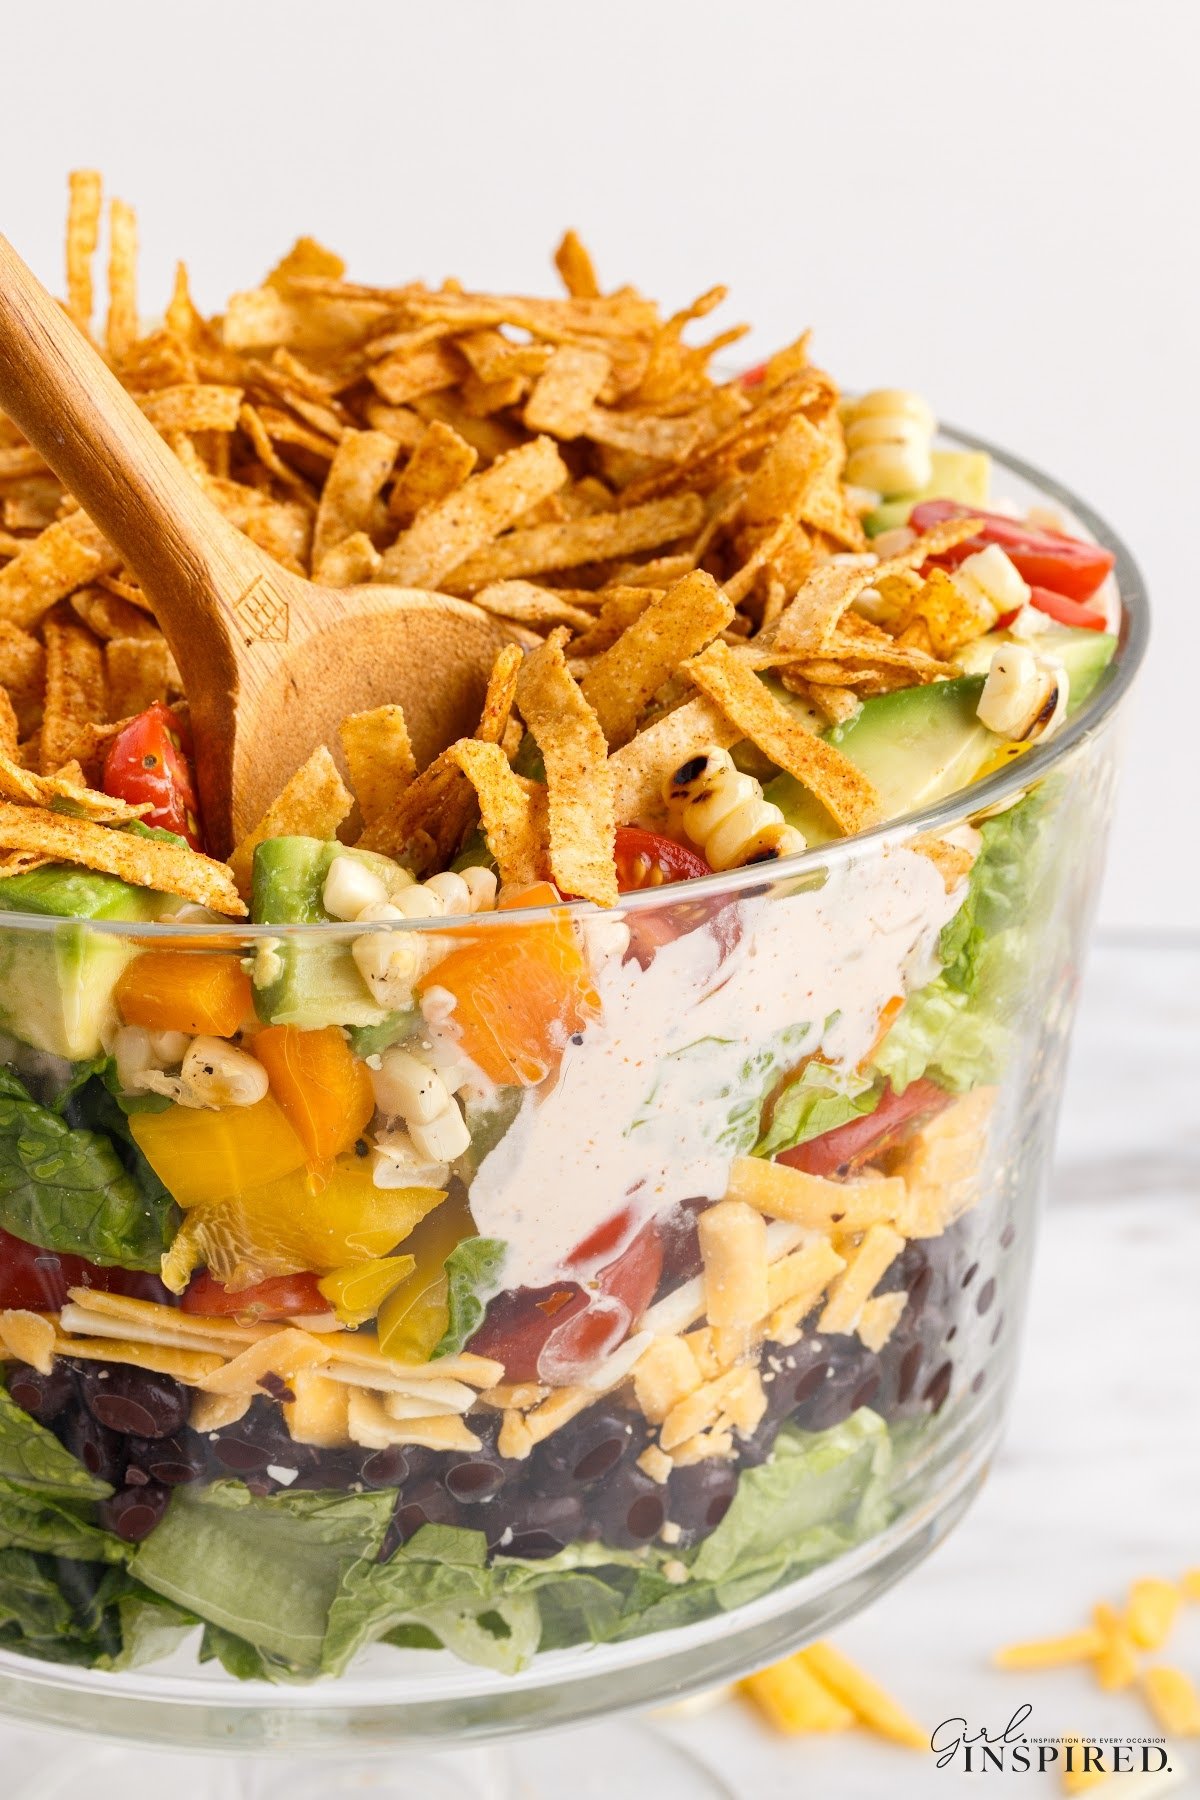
979, 797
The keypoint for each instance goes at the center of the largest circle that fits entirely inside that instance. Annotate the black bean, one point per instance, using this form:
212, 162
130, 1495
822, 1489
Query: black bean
985, 1296
546, 1524
136, 1402
591, 1446
629, 1508
242, 1455
43, 1397
700, 1494
171, 1460
938, 1387
424, 1503
101, 1451
475, 1479
134, 1512
384, 1468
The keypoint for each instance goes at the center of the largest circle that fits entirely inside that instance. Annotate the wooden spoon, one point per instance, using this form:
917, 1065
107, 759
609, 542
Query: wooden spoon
271, 663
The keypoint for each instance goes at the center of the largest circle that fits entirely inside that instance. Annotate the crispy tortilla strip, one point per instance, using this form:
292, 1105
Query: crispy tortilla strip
644, 435
500, 696
10, 730
261, 318
407, 374
812, 617
532, 605
250, 421
60, 792
139, 671
83, 235
75, 693
838, 784
306, 257
145, 862
485, 504
193, 408
541, 548
640, 768
620, 606
20, 461
351, 563
361, 465
32, 503
494, 357
312, 804
440, 463
380, 759
579, 782
950, 615
623, 680
108, 616
122, 279
562, 397
513, 812
47, 568
576, 268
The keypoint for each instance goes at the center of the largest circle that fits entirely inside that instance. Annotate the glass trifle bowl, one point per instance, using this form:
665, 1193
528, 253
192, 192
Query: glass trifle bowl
701, 1341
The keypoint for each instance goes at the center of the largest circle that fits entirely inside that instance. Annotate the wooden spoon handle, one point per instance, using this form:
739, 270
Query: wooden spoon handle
93, 435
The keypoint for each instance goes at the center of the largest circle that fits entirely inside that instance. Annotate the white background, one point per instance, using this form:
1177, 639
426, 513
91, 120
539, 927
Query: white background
992, 203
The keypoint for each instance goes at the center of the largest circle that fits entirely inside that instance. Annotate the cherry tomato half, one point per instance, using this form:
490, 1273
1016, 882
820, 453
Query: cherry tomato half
847, 1147
37, 1280
147, 761
1046, 559
555, 1332
280, 1297
645, 859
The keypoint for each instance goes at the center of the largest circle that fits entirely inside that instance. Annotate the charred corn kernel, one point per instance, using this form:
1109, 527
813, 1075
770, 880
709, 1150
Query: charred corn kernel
865, 1698
482, 886
889, 440
388, 961
443, 1138
1116, 1665
451, 890
724, 812
168, 1047
350, 887
1173, 1700
421, 901
792, 1698
991, 577
1052, 1653
1025, 696
1150, 1612
133, 1055
217, 1074
407, 1088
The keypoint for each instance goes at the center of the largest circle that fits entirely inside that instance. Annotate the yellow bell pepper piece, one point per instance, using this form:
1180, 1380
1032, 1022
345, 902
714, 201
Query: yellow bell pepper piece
794, 1700
358, 1290
1116, 1665
1173, 1700
308, 1219
414, 1318
1150, 1612
202, 1155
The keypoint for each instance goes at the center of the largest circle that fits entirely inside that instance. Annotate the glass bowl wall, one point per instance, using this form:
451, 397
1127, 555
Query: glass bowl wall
871, 1440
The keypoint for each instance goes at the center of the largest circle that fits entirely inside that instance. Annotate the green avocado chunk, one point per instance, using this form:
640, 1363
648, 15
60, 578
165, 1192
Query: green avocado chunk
914, 746
307, 984
962, 475
56, 986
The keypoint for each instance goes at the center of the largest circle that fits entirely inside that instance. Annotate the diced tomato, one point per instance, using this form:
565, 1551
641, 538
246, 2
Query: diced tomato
147, 762
37, 1280
1046, 559
554, 1333
1067, 612
848, 1146
647, 860
282, 1297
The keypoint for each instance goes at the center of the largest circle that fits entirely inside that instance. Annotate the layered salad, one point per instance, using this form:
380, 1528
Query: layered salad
546, 1196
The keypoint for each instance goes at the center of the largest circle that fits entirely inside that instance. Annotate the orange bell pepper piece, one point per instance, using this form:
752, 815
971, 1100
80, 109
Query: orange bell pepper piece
185, 990
324, 1090
521, 991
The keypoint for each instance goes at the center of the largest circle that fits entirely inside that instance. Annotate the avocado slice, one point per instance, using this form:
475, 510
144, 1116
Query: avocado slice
1085, 655
962, 475
56, 987
305, 984
914, 746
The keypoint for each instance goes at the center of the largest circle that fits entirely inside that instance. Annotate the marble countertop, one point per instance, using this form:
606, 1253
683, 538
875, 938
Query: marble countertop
1099, 1477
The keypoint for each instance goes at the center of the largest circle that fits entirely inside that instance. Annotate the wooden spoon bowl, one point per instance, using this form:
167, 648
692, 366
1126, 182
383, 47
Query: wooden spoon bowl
271, 663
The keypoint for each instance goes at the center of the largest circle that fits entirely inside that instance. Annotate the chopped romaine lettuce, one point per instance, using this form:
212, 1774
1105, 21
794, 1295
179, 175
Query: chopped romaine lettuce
472, 1274
819, 1100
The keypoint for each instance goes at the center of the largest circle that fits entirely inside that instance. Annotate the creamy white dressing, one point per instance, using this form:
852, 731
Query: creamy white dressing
639, 1115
